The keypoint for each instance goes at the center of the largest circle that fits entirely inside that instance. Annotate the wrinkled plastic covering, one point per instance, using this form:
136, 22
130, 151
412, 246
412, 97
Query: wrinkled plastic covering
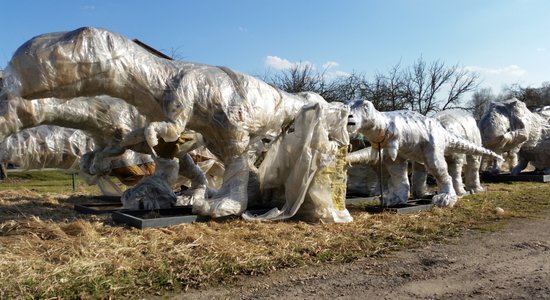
46, 147
509, 126
462, 124
104, 118
406, 135
299, 166
362, 173
129, 168
154, 192
230, 109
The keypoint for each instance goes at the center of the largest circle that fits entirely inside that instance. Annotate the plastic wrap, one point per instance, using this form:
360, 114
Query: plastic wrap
230, 109
407, 135
104, 118
308, 169
46, 147
462, 124
508, 126
363, 177
154, 192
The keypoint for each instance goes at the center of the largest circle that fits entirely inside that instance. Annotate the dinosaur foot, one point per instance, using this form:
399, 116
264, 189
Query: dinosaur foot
477, 189
188, 197
151, 193
218, 207
444, 200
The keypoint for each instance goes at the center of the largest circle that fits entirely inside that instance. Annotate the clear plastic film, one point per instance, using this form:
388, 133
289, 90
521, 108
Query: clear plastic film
308, 169
46, 147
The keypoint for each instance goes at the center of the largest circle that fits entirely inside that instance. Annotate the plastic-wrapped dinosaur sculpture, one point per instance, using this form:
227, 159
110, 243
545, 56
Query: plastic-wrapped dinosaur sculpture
230, 109
463, 125
509, 126
105, 119
407, 135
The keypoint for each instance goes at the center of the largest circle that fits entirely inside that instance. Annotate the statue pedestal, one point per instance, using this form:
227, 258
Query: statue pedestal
506, 177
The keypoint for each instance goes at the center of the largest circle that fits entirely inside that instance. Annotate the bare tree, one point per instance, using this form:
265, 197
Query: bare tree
422, 87
480, 101
425, 83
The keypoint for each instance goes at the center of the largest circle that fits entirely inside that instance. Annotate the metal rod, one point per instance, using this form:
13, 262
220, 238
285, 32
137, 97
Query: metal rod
380, 173
73, 175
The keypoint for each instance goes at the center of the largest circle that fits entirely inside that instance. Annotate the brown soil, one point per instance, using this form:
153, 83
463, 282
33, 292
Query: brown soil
512, 263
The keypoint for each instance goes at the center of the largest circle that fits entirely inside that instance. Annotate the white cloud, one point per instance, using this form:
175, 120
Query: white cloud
540, 49
330, 64
242, 29
89, 7
332, 75
278, 63
511, 70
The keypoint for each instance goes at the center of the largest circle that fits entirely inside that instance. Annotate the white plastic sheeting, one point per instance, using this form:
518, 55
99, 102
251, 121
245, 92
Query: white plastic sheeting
46, 147
299, 166
230, 109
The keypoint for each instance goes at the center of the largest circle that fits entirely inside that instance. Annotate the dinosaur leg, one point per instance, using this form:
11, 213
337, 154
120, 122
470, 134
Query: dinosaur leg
419, 177
471, 174
454, 165
398, 184
189, 169
232, 198
437, 166
521, 164
230, 145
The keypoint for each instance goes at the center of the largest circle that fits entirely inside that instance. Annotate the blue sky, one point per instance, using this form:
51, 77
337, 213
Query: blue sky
505, 41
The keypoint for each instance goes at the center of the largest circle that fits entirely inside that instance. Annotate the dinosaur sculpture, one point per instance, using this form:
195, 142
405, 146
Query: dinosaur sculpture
462, 124
509, 126
231, 110
407, 135
105, 119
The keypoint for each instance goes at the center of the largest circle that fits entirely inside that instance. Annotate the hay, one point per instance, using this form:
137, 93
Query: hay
50, 251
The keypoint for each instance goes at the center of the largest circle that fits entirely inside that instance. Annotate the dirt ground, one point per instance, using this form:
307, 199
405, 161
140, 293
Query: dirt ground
513, 263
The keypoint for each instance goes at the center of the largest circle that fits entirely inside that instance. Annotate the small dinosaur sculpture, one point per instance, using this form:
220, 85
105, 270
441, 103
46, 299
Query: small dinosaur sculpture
407, 135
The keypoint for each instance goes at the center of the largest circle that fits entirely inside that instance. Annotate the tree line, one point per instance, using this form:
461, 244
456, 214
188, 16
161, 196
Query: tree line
425, 87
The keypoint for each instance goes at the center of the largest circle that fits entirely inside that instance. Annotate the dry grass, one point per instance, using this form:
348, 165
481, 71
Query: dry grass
48, 250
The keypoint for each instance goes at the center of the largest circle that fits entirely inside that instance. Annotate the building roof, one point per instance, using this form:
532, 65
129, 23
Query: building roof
152, 50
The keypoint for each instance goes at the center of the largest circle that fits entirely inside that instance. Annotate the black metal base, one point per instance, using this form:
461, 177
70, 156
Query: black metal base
100, 205
506, 177
412, 206
362, 200
158, 217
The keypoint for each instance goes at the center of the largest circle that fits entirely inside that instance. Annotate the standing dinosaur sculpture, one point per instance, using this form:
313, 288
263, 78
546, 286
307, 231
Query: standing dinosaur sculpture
407, 135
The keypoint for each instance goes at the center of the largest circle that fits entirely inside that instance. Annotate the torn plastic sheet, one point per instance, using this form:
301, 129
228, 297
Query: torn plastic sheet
300, 164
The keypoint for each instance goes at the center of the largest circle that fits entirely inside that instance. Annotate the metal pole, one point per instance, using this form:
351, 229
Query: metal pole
73, 175
380, 173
